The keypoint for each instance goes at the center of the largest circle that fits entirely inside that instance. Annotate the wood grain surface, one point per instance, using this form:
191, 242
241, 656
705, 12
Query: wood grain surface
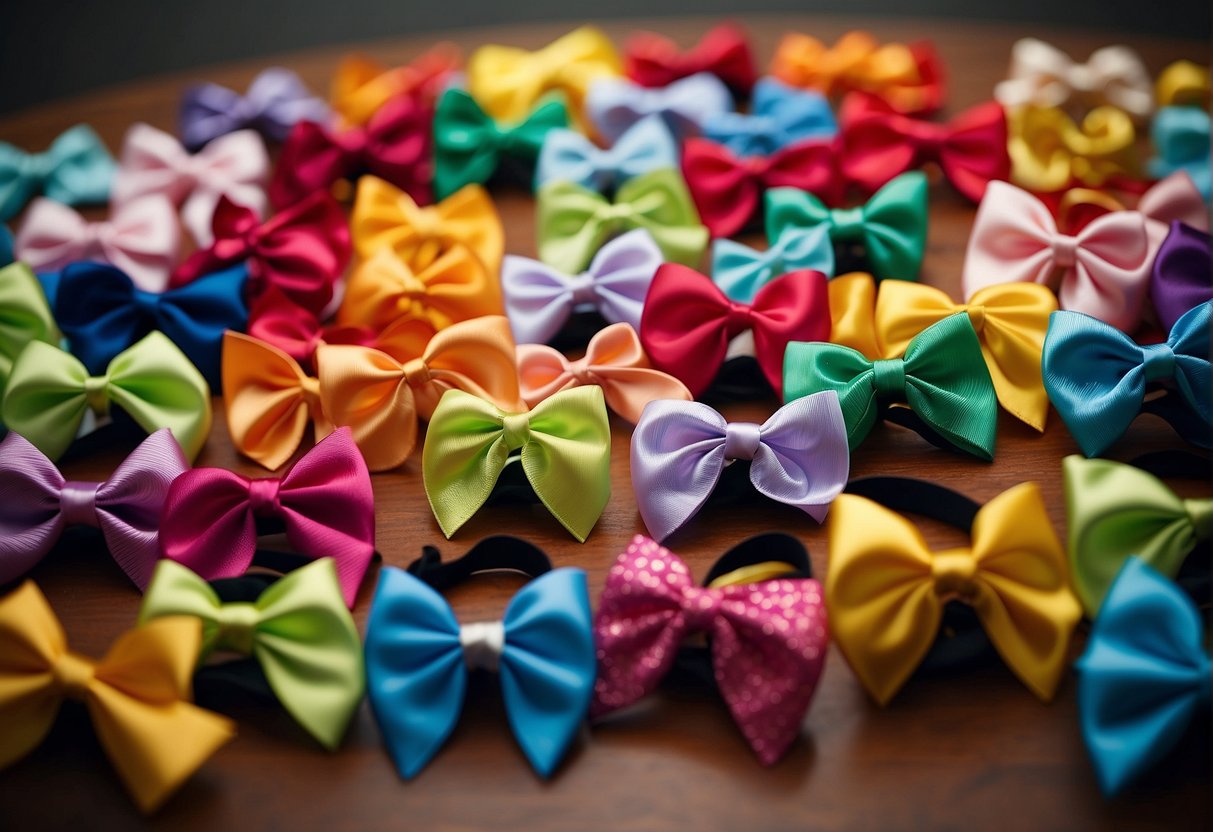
971, 750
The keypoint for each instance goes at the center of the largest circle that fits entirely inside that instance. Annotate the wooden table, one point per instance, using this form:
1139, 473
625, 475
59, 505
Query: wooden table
972, 750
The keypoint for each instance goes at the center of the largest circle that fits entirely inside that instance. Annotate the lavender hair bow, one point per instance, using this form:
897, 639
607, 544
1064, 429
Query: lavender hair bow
539, 299
615, 104
275, 102
567, 155
1181, 273
680, 449
36, 504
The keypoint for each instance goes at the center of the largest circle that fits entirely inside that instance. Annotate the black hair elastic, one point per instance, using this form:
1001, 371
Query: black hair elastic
500, 552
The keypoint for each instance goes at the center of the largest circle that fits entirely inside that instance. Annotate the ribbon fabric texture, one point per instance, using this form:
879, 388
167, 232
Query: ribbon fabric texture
653, 60
137, 696
38, 504
1181, 139
613, 105
275, 102
740, 271
779, 116
567, 155
1049, 152
563, 445
1179, 277
49, 392
361, 85
76, 169
1043, 75
298, 630
25, 316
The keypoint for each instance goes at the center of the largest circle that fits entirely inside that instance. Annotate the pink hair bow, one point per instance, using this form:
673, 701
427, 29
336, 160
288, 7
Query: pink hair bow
324, 503
154, 162
1103, 270
141, 238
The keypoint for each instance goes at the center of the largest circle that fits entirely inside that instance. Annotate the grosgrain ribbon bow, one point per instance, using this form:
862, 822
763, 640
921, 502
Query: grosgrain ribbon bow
37, 504
615, 104
567, 155
24, 316
1179, 277
75, 169
1181, 139
361, 85
137, 695
1049, 152
49, 392
275, 102
740, 271
780, 115
653, 60
1043, 75
298, 630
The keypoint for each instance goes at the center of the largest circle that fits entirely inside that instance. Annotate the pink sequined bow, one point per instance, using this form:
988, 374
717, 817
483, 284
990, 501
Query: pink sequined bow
768, 641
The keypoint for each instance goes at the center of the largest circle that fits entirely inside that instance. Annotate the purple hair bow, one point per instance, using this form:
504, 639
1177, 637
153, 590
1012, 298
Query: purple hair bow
275, 102
615, 104
1181, 273
679, 450
36, 504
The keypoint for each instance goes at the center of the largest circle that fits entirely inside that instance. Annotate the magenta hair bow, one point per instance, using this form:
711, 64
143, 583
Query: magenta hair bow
37, 504
276, 101
768, 639
141, 238
1103, 270
154, 162
324, 503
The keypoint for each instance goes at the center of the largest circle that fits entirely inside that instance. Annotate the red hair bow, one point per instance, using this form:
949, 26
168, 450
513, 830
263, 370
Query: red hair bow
653, 60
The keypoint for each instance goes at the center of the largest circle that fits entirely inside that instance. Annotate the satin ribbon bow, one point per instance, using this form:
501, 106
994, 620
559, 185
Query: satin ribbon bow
653, 60
883, 579
779, 115
728, 190
1183, 84
395, 146
798, 457
154, 163
563, 445
275, 102
361, 85
141, 238
75, 169
102, 312
24, 316
1043, 75
539, 299
323, 502
1116, 511
574, 222
879, 144
302, 250
569, 156
298, 630
469, 145
892, 226
418, 657
1143, 677
688, 322
740, 271
381, 397
1049, 152
614, 360
1097, 377
1181, 140
507, 81
137, 696
49, 392
1102, 270
767, 672
942, 378
615, 104
39, 504
1179, 277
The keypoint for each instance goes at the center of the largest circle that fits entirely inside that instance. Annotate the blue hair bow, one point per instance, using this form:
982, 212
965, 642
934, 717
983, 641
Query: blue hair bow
77, 168
6, 245
1181, 137
780, 115
741, 271
567, 155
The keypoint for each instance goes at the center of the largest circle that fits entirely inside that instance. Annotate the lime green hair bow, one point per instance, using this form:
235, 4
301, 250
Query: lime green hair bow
24, 316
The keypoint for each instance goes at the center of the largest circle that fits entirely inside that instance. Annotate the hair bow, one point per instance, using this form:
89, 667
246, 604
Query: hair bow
141, 238
728, 190
780, 115
38, 504
891, 227
1102, 270
1049, 152
653, 60
75, 169
853, 313
567, 155
1180, 273
798, 457
49, 392
507, 81
381, 396
361, 85
563, 446
25, 316
1043, 75
418, 657
1097, 378
138, 696
275, 102
1183, 84
942, 378
688, 322
766, 671
302, 250
574, 222
615, 104
394, 146
298, 630
540, 299
153, 162
1143, 675
6, 246
614, 360
740, 271
280, 322
1174, 197
1181, 139
102, 312
323, 502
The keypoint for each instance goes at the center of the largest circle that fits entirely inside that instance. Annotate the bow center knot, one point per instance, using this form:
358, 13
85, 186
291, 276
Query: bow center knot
73, 675
237, 626
1065, 251
581, 289
483, 642
146, 303
1158, 361
741, 440
977, 314
417, 372
580, 370
426, 224
78, 503
516, 428
739, 318
889, 378
954, 573
263, 497
848, 224
36, 166
1081, 78
756, 166
96, 394
700, 606
616, 213
309, 387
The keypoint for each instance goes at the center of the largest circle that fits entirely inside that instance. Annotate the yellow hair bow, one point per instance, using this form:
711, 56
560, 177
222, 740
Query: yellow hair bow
1049, 152
1183, 84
